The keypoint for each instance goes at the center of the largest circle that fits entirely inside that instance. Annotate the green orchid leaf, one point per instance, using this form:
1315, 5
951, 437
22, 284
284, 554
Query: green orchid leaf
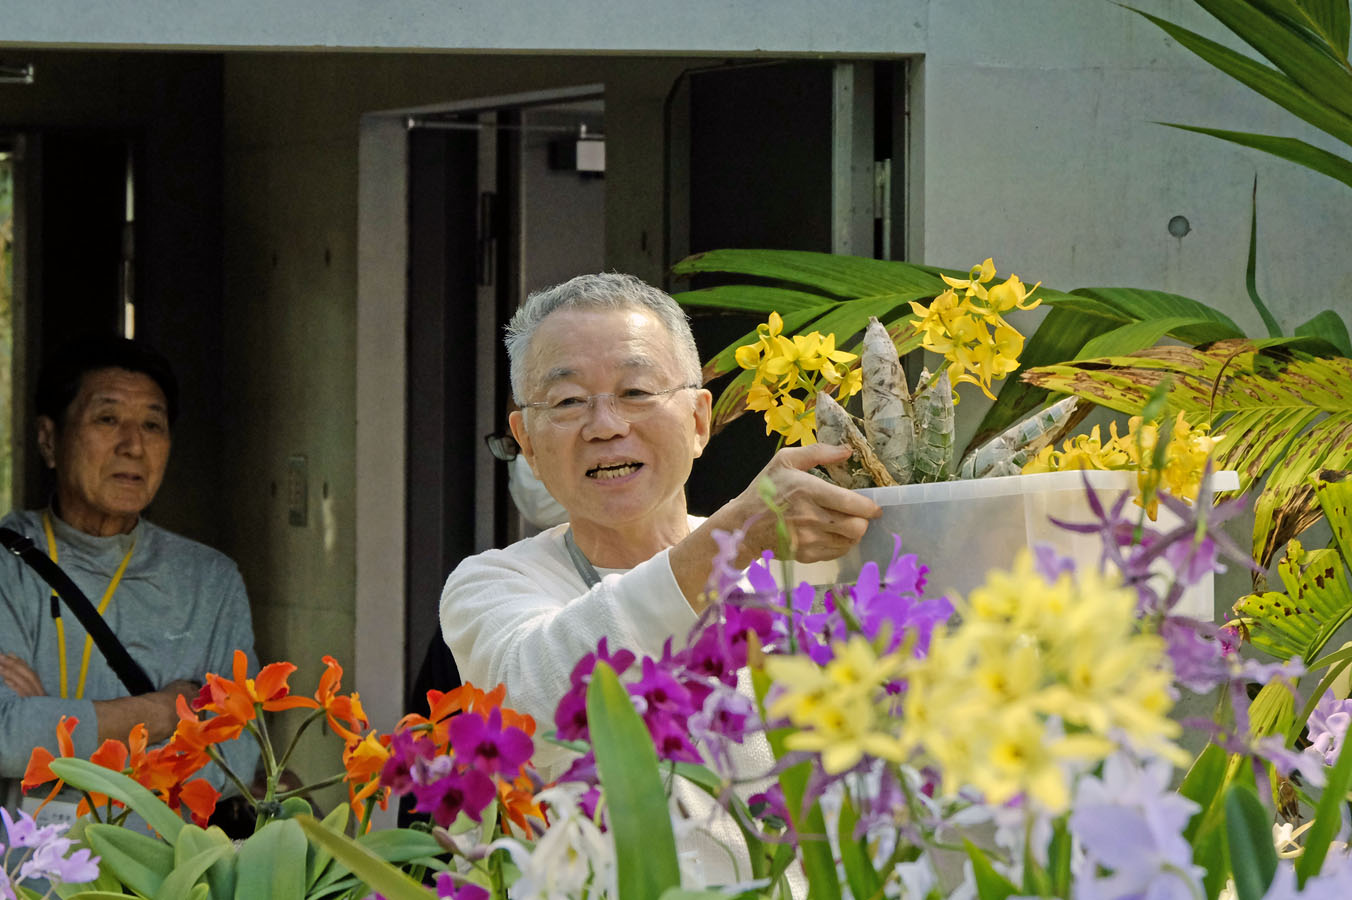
1248, 829
1328, 818
194, 841
318, 858
645, 847
106, 882
1328, 326
139, 861
88, 776
1272, 84
395, 845
1289, 149
818, 865
85, 895
1058, 858
1282, 416
375, 872
183, 880
271, 862
1205, 784
838, 276
990, 884
862, 877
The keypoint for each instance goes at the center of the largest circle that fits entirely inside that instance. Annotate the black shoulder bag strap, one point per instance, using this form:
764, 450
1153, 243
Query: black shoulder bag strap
127, 669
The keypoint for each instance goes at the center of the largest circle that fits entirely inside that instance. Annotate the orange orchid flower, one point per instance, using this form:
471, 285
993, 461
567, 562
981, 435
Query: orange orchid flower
196, 734
442, 705
517, 799
363, 761
241, 698
198, 796
39, 761
344, 711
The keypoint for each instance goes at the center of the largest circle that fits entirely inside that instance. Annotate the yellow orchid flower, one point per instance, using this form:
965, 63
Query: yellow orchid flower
793, 420
1012, 294
759, 398
974, 284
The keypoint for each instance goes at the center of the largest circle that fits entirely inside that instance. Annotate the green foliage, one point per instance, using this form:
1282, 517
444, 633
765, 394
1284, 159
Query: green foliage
1310, 77
369, 866
1248, 829
188, 861
837, 294
1284, 416
645, 847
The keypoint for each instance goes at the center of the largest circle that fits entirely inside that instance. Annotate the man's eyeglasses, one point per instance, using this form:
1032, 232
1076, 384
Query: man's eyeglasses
502, 446
631, 404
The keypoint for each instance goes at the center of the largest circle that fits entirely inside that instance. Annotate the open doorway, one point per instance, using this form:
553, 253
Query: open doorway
503, 199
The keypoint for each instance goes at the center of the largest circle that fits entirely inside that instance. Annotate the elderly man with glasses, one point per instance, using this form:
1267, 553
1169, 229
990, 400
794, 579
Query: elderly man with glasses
612, 416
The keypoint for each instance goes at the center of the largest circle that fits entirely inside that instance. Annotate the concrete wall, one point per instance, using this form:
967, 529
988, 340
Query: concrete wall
774, 26
1040, 148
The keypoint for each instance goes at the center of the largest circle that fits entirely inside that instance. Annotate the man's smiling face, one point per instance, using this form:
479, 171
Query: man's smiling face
604, 469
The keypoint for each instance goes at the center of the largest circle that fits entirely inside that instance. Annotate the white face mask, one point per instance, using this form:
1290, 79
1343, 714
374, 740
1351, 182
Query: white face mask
536, 505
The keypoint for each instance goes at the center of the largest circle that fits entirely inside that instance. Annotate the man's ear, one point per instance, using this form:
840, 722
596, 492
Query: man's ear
47, 440
703, 418
517, 422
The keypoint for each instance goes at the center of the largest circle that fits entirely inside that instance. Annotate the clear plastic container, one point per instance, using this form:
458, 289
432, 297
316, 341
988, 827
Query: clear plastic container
963, 529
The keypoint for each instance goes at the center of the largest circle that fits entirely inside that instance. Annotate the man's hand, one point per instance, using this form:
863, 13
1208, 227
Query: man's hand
157, 710
19, 677
823, 520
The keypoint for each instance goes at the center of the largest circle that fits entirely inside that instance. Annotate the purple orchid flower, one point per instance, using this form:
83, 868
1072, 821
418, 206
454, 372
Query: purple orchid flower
407, 750
448, 890
1328, 726
486, 745
468, 791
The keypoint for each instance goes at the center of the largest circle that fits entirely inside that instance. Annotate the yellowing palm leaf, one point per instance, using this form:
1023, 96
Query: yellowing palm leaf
1285, 416
1318, 598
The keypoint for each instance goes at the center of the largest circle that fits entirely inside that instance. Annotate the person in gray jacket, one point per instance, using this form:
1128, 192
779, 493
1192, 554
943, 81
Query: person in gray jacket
105, 408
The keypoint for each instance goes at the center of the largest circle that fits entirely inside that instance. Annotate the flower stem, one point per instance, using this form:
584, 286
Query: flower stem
219, 760
295, 739
316, 786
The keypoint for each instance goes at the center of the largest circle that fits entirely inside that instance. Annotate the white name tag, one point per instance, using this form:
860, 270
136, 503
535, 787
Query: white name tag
57, 812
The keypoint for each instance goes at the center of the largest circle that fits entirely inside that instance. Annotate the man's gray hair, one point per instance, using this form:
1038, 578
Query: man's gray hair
605, 290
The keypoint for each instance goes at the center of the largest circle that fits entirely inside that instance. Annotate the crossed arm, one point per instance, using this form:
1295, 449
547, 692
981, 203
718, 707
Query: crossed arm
115, 717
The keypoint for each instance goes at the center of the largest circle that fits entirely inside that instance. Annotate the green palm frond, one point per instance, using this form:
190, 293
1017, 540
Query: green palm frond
1284, 416
837, 295
1318, 598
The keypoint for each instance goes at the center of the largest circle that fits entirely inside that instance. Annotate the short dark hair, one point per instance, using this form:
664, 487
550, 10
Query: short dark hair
63, 371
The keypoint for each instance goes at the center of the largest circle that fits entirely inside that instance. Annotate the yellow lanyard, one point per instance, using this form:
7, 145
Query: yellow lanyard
103, 605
